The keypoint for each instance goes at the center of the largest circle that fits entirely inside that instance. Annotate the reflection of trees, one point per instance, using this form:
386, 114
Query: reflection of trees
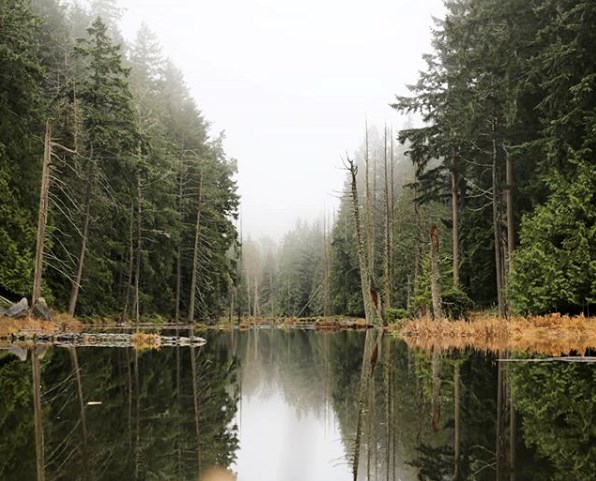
153, 403
557, 406
17, 444
142, 430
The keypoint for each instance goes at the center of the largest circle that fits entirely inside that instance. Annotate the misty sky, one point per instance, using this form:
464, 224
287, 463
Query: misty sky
291, 83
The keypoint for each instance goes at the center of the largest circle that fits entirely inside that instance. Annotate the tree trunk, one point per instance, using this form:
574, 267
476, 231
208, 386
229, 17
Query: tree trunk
179, 249
137, 310
368, 209
435, 275
130, 261
195, 257
326, 270
74, 293
370, 310
387, 254
455, 221
392, 216
42, 218
497, 232
510, 216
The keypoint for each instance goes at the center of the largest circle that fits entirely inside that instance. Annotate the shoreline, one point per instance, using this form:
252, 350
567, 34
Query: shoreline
552, 334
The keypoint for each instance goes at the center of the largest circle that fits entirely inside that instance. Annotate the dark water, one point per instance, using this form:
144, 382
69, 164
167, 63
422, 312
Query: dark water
284, 406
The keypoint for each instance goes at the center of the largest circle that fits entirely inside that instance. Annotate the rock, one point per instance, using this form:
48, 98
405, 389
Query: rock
19, 309
41, 309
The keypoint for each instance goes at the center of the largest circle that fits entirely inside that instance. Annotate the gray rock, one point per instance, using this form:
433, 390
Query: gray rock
19, 309
41, 309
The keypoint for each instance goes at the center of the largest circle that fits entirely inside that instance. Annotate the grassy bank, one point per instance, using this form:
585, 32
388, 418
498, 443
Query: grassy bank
59, 323
551, 334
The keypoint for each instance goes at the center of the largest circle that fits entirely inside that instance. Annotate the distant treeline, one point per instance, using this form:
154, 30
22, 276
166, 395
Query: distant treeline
141, 200
504, 165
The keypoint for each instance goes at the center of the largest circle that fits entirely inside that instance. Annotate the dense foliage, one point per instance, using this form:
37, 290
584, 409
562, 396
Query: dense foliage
142, 199
508, 103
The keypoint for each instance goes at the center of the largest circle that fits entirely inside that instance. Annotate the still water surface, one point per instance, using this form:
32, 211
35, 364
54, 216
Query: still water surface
287, 405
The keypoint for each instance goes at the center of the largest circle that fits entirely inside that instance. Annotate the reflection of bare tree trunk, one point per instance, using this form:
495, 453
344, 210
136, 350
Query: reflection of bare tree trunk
74, 360
370, 353
369, 425
501, 415
137, 416
457, 416
512, 436
387, 395
38, 420
436, 389
195, 398
129, 399
393, 421
179, 403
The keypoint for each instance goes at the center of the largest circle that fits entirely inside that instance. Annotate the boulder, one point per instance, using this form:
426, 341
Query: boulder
20, 309
41, 309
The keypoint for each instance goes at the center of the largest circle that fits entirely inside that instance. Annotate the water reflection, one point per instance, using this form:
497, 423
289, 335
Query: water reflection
300, 405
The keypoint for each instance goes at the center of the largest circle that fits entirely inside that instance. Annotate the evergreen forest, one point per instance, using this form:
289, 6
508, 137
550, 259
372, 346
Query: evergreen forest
108, 163
502, 162
140, 197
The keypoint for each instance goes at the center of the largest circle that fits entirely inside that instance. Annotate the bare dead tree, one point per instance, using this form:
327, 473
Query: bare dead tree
195, 261
76, 284
387, 252
455, 221
42, 219
435, 275
370, 307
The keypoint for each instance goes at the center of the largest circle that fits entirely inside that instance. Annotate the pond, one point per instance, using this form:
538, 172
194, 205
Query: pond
284, 405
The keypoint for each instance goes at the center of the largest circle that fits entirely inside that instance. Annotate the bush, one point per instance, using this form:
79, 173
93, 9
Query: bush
395, 314
456, 303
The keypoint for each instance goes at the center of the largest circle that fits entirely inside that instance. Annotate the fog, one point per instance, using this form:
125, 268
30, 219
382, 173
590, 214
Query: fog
291, 83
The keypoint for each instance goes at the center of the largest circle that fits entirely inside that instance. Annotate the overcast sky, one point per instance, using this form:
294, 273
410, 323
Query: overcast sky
291, 83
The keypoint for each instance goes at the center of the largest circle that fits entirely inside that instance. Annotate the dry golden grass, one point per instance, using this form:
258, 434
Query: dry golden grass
320, 323
145, 340
60, 323
553, 334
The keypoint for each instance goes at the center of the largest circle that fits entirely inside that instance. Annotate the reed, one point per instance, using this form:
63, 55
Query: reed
552, 334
